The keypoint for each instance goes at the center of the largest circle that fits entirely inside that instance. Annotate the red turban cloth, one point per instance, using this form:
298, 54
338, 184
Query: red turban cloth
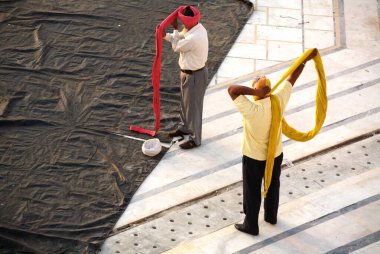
188, 21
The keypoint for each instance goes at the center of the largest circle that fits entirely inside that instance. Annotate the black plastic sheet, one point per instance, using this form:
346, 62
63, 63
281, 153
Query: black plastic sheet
72, 74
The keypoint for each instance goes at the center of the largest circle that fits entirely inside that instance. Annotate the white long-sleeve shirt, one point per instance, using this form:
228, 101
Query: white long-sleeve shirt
192, 46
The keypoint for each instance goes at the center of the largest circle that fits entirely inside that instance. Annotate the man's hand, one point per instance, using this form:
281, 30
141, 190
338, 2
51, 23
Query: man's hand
175, 24
261, 92
312, 55
297, 72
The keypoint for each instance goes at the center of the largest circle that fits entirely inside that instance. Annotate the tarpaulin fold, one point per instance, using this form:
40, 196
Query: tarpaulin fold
72, 74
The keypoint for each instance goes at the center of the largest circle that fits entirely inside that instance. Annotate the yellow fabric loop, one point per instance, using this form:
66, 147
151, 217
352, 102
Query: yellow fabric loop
290, 132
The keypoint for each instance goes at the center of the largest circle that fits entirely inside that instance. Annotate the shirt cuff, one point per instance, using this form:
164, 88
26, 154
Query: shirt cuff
167, 37
239, 100
242, 103
285, 86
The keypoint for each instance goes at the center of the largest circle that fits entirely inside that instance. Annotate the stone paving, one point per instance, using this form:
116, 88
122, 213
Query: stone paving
210, 214
330, 185
277, 32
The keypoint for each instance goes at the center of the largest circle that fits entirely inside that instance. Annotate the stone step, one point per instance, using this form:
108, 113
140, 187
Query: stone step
207, 215
205, 171
316, 223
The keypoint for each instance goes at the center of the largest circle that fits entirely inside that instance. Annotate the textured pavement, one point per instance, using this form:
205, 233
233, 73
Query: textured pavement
330, 185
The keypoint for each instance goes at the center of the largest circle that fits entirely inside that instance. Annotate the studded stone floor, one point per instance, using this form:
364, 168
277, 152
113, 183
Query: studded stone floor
330, 186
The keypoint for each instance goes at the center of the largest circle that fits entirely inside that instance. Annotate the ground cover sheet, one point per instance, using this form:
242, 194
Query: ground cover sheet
72, 74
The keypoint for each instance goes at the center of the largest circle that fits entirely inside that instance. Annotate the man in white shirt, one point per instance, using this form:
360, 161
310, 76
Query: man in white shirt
192, 46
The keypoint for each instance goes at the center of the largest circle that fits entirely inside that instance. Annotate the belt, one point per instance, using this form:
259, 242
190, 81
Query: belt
191, 72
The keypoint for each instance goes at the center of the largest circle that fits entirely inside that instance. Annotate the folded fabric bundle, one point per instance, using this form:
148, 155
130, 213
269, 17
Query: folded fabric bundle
151, 147
156, 69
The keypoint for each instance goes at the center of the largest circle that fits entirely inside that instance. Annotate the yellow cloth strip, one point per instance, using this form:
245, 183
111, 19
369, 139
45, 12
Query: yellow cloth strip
290, 132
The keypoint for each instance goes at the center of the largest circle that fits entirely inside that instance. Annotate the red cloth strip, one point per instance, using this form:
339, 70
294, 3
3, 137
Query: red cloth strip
156, 68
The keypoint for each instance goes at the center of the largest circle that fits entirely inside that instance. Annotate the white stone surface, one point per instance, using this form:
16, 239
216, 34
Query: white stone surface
319, 39
293, 214
318, 22
248, 50
364, 31
297, 150
225, 208
276, 33
284, 17
263, 64
331, 234
320, 7
197, 160
270, 39
247, 35
290, 4
259, 16
370, 249
235, 67
283, 51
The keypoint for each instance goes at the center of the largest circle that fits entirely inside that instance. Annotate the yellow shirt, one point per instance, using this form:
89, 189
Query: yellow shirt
257, 116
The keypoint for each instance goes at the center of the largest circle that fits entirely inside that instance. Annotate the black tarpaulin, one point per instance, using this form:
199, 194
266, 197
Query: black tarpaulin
73, 73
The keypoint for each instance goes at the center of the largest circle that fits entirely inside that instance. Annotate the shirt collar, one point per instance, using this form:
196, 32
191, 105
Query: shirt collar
194, 28
263, 101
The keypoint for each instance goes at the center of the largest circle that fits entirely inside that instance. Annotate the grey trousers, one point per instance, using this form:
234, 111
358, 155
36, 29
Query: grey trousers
193, 88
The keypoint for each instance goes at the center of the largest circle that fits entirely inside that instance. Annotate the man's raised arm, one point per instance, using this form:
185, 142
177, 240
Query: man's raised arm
297, 72
235, 91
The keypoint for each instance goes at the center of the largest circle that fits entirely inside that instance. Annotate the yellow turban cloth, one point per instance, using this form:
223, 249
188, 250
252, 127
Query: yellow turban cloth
290, 132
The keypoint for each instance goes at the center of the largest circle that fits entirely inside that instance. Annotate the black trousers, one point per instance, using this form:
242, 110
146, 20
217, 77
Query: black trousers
253, 173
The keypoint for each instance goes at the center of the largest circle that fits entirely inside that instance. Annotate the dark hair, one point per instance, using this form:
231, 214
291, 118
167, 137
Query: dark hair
188, 11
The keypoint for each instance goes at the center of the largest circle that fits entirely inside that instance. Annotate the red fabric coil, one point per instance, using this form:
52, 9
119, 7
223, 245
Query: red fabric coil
156, 68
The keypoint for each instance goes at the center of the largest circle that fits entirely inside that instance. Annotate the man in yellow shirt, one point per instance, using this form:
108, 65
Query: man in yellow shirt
257, 117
